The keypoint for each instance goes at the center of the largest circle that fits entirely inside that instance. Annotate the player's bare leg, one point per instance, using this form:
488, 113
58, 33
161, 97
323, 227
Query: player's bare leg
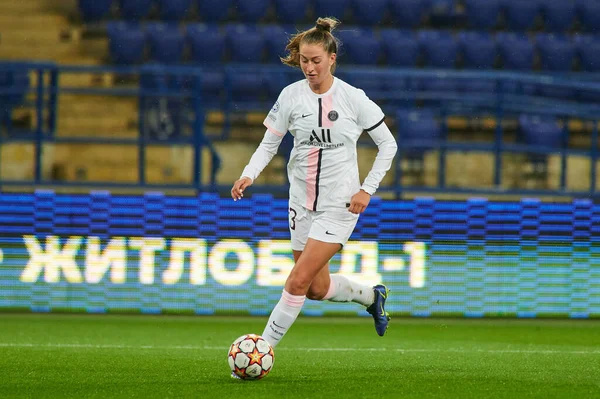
320, 285
311, 261
314, 258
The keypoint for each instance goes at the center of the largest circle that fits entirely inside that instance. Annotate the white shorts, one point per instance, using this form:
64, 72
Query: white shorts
334, 226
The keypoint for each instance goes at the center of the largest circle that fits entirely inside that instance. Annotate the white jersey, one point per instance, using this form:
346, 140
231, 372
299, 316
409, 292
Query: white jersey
323, 167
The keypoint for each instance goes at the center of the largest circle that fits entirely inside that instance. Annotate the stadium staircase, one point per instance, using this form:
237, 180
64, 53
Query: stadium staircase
41, 30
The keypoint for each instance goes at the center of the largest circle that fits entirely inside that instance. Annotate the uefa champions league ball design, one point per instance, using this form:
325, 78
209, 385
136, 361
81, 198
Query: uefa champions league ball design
250, 357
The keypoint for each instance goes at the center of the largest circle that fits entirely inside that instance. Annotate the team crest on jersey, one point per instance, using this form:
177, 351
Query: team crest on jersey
333, 116
275, 107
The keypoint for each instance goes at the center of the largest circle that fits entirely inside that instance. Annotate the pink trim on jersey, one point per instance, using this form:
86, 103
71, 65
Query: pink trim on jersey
311, 177
295, 301
327, 104
276, 132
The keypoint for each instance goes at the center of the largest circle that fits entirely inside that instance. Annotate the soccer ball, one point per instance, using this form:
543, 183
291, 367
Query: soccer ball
250, 357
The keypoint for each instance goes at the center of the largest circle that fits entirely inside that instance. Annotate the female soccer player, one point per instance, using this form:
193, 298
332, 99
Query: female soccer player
326, 116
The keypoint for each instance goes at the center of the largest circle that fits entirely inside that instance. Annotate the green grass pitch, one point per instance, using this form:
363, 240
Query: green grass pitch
111, 356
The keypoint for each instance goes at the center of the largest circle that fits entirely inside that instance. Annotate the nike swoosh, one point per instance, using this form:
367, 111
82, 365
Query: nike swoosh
382, 311
304, 116
329, 234
277, 325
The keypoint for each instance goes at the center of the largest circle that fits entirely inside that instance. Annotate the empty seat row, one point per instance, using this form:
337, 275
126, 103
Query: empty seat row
480, 50
420, 131
519, 15
213, 44
257, 88
204, 44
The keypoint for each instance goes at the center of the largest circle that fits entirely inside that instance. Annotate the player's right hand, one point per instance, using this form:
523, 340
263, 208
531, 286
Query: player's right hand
237, 192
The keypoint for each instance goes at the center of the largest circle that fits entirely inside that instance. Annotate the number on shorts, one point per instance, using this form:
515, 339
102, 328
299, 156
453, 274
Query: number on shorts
293, 219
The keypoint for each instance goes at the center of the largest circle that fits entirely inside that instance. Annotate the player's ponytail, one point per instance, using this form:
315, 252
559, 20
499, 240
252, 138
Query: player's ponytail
327, 24
319, 34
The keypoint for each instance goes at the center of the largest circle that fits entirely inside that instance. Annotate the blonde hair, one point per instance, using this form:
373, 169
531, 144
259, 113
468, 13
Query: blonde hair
319, 34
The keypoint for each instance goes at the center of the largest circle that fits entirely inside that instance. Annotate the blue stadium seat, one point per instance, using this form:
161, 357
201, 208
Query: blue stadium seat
276, 38
245, 43
521, 15
517, 50
290, 11
174, 10
331, 8
206, 43
369, 12
588, 48
588, 13
251, 11
442, 12
401, 47
247, 88
478, 49
94, 10
212, 84
359, 46
558, 15
275, 82
401, 91
126, 42
418, 129
482, 14
420, 132
166, 43
439, 48
408, 13
542, 131
213, 11
134, 10
557, 52
212, 87
372, 85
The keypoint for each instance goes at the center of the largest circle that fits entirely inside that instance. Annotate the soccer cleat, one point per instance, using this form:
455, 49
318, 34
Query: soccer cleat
234, 375
377, 309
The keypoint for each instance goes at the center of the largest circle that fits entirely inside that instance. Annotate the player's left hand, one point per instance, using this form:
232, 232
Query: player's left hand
359, 202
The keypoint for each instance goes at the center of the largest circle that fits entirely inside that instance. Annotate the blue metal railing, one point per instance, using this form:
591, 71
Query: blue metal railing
512, 94
43, 97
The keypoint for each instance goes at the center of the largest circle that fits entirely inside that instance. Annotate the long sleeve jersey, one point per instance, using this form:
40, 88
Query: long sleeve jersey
323, 166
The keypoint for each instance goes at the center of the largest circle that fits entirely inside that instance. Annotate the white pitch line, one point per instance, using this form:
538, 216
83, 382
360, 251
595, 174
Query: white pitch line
223, 348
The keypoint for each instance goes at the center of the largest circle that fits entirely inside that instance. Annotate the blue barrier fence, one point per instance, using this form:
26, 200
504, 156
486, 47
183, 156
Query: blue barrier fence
185, 94
154, 253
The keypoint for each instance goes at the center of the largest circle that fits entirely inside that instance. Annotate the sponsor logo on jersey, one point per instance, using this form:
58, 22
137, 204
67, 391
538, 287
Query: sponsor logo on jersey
321, 138
325, 136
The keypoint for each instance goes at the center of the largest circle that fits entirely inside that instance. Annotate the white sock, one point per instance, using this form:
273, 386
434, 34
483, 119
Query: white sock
342, 289
282, 317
